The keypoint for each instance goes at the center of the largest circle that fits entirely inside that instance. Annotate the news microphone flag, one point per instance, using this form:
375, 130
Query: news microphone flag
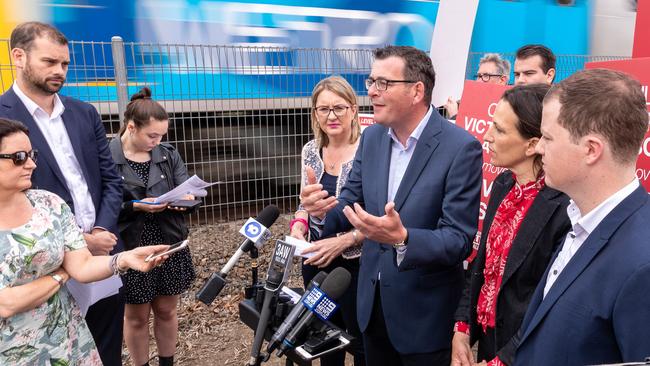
256, 232
320, 304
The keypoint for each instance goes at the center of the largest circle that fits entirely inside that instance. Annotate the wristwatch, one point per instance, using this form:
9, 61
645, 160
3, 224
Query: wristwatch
402, 243
58, 278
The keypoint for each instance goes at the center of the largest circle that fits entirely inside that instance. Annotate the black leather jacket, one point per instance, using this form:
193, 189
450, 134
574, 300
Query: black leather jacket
167, 171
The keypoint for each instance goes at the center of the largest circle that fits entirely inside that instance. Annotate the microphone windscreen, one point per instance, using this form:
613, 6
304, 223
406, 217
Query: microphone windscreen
318, 279
336, 283
268, 215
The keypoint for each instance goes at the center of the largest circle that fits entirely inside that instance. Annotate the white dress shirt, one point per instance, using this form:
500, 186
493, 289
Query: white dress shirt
582, 227
58, 140
399, 160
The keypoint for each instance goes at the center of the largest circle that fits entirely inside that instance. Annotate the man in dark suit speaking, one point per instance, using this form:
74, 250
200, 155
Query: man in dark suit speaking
413, 193
593, 303
75, 162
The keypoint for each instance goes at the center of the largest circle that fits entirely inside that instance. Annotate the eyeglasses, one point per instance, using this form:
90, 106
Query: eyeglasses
20, 157
382, 84
486, 77
338, 110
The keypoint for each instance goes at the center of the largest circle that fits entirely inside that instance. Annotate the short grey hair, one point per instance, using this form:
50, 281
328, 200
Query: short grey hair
503, 65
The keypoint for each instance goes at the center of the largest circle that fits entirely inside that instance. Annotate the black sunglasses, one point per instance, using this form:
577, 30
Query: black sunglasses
20, 157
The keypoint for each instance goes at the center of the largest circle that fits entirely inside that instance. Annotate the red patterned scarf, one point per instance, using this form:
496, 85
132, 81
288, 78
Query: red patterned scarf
508, 218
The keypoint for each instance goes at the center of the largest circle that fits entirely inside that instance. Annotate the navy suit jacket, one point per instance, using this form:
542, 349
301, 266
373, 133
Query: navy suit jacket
88, 138
438, 202
598, 310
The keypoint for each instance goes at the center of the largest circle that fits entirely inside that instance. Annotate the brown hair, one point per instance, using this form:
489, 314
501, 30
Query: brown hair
24, 34
343, 89
8, 127
141, 110
527, 101
530, 50
606, 102
417, 66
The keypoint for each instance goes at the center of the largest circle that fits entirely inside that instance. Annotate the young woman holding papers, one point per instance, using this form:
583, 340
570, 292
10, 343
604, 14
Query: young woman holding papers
150, 169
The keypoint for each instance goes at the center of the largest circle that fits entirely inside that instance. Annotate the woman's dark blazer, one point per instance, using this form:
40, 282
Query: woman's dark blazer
542, 230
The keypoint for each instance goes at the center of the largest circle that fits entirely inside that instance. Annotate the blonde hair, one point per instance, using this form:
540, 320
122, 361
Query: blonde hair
343, 89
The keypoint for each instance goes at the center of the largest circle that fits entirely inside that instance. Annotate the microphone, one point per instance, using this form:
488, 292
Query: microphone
297, 311
279, 270
256, 233
318, 300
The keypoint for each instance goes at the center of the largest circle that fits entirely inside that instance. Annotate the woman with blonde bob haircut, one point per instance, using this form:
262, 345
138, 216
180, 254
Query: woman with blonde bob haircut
328, 159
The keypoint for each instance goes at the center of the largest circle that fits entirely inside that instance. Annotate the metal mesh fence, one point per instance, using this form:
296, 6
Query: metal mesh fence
238, 115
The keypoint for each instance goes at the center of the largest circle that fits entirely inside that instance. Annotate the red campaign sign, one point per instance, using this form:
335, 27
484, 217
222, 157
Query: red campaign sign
641, 46
475, 115
638, 68
365, 120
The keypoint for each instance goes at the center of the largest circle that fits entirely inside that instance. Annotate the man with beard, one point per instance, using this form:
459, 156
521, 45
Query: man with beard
75, 162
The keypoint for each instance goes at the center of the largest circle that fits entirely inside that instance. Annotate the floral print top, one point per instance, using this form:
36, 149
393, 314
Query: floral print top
311, 158
53, 333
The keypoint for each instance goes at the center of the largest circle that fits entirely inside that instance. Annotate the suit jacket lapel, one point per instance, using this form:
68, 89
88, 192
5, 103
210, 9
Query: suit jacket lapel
589, 249
423, 150
383, 168
536, 218
20, 113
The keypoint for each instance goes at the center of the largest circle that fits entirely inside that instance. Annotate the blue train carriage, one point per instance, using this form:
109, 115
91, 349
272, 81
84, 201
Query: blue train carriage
236, 76
276, 45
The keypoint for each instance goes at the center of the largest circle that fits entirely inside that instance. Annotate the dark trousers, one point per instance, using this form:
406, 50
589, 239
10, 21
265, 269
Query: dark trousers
105, 319
346, 316
487, 345
380, 350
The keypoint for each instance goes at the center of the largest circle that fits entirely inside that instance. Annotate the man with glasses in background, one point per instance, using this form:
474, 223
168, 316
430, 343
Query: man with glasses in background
492, 68
413, 193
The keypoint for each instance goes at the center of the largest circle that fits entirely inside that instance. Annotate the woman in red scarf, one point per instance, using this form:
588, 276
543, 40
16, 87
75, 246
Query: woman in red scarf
524, 222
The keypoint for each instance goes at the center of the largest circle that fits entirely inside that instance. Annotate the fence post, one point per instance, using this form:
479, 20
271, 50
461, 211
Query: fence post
119, 67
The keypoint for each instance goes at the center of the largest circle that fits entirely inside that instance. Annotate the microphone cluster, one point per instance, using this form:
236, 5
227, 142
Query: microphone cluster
314, 308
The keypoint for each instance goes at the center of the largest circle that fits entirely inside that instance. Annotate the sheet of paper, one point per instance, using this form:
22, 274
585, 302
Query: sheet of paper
87, 294
194, 186
300, 246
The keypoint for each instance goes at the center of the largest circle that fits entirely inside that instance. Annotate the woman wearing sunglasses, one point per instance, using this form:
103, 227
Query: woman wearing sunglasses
149, 169
41, 247
327, 159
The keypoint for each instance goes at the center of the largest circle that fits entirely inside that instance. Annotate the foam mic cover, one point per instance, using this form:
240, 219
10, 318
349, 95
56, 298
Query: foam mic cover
333, 287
